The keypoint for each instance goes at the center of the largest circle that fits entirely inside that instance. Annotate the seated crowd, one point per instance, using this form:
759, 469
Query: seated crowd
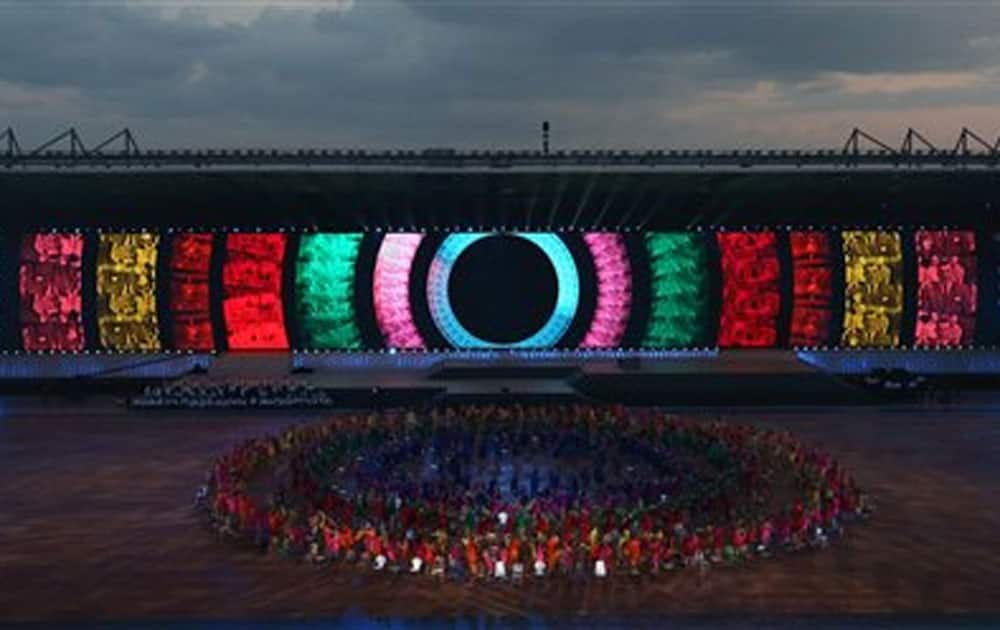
231, 394
345, 494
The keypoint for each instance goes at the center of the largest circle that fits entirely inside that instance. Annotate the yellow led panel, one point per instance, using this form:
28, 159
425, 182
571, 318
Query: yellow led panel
126, 292
873, 291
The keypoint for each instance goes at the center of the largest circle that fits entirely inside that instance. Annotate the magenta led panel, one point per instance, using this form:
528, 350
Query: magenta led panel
614, 290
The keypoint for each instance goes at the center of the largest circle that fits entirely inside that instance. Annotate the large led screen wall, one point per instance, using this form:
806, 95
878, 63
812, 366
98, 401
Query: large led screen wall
126, 292
410, 291
50, 286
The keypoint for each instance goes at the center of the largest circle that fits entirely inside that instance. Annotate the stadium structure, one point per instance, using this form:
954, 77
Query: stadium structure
455, 387
120, 263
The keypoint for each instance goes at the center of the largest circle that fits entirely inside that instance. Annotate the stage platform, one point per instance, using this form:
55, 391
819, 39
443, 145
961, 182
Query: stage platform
698, 377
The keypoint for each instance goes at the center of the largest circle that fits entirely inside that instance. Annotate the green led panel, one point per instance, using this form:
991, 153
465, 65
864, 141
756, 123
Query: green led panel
324, 291
679, 291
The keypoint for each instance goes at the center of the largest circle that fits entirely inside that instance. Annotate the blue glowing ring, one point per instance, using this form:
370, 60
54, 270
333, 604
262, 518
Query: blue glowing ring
567, 292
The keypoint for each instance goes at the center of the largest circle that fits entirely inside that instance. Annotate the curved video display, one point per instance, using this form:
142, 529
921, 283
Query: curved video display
410, 291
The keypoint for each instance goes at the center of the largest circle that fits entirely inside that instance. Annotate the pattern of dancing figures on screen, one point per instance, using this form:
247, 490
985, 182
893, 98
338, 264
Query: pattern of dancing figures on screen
126, 292
751, 299
252, 281
812, 288
190, 292
324, 291
873, 292
50, 286
946, 288
678, 290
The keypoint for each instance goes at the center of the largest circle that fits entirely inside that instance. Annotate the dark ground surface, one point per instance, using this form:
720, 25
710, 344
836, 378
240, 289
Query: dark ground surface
96, 525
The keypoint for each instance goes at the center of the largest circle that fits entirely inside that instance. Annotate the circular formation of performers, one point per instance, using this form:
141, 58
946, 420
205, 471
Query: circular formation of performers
512, 491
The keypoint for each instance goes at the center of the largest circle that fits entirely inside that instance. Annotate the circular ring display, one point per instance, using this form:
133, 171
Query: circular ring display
567, 292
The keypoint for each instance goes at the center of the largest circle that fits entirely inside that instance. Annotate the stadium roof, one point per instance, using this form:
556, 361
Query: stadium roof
115, 184
861, 151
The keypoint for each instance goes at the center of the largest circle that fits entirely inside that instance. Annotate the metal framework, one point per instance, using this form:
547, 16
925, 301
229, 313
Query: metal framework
862, 150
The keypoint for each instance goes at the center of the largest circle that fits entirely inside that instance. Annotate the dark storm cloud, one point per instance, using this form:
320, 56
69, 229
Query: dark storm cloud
444, 73
96, 46
782, 38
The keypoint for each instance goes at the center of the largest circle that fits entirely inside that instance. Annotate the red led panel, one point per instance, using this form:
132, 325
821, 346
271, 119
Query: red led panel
251, 282
812, 288
190, 264
50, 284
946, 288
751, 297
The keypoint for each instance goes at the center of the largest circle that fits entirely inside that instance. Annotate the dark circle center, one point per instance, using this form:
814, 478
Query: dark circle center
503, 289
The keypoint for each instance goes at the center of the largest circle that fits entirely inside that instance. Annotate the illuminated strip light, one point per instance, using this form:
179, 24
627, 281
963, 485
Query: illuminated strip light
391, 291
324, 281
126, 292
614, 290
567, 292
873, 292
946, 288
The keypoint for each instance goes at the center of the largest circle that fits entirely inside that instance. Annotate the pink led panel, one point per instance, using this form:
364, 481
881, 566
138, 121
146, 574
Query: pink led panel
391, 291
51, 291
614, 290
946, 288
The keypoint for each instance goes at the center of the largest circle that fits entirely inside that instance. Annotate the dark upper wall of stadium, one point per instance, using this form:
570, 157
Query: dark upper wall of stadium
352, 201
